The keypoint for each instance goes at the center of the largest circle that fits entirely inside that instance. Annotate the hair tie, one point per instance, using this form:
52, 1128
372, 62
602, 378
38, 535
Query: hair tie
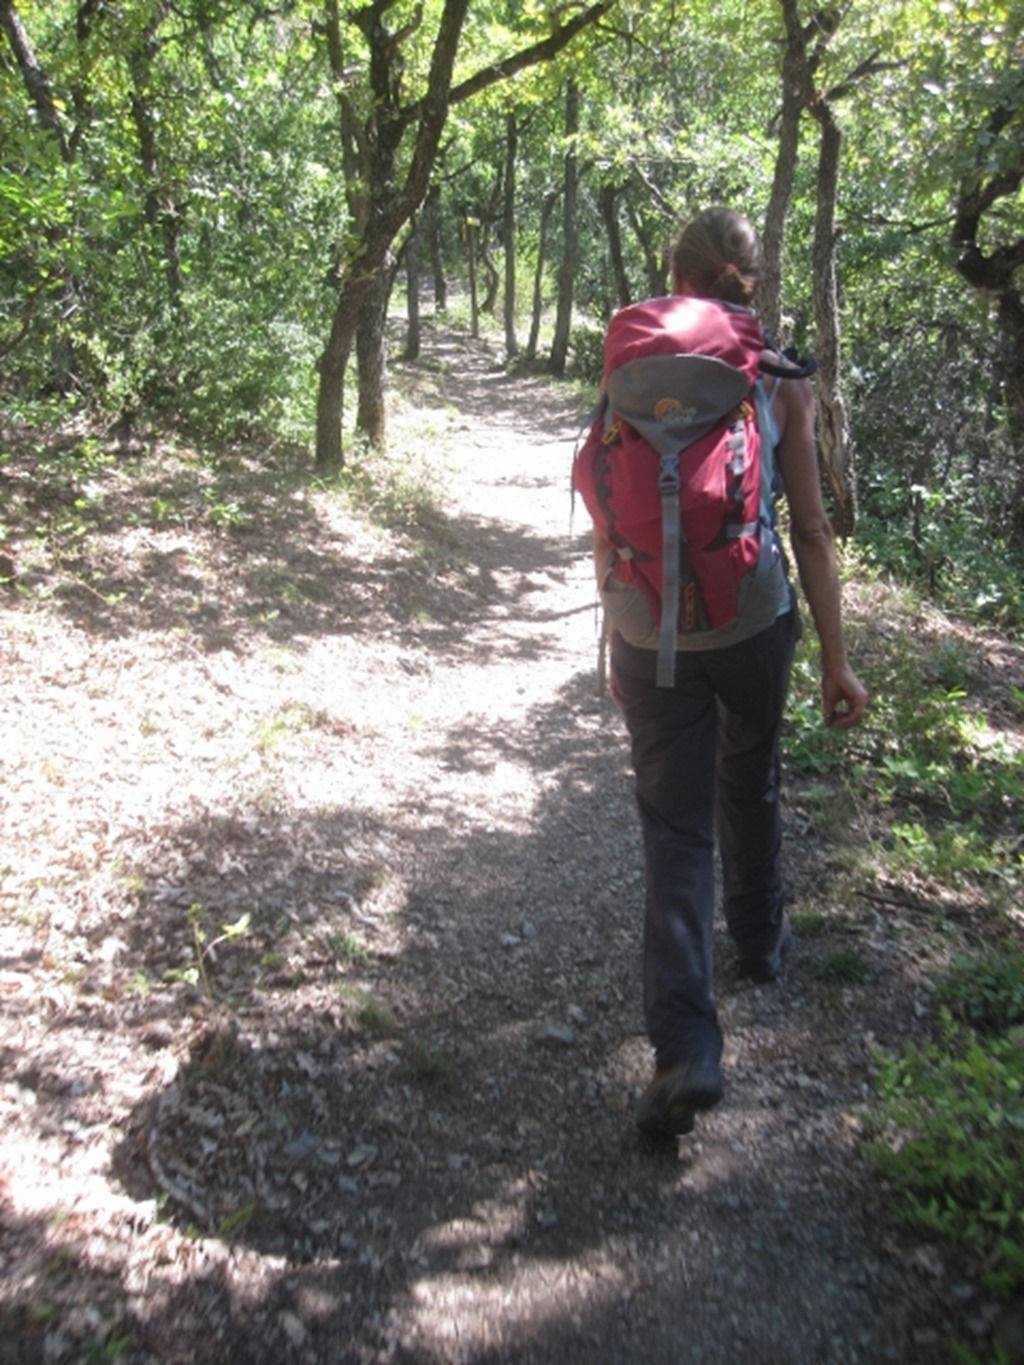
728, 268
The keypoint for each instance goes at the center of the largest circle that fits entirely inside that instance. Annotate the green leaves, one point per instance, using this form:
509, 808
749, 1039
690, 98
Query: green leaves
951, 1132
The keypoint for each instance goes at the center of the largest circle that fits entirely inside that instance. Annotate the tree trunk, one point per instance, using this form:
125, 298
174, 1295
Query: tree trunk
491, 274
797, 93
769, 300
608, 200
570, 239
162, 211
994, 273
508, 232
34, 77
380, 203
833, 424
1010, 315
413, 334
547, 208
371, 361
655, 256
330, 405
381, 200
435, 246
471, 225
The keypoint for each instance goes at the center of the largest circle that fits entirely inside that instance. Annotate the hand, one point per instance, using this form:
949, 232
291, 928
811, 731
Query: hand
844, 699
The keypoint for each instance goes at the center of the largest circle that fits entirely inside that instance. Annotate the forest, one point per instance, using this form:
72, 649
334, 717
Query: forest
261, 259
209, 209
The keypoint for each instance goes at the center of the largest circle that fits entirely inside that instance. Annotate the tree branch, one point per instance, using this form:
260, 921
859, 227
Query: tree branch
974, 200
648, 186
541, 51
33, 76
870, 66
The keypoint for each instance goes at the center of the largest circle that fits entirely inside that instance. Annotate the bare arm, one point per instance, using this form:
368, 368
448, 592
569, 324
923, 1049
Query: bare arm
844, 699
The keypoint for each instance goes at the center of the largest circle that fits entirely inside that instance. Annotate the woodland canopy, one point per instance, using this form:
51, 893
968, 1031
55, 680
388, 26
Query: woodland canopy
210, 210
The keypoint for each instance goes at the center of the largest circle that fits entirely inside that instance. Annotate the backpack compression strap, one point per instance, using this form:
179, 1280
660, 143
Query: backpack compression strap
674, 549
671, 535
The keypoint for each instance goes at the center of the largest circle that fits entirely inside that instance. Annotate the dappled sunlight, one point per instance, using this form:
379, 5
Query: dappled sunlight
319, 953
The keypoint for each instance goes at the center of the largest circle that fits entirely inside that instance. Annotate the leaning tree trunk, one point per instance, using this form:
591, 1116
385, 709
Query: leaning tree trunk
391, 198
570, 236
833, 424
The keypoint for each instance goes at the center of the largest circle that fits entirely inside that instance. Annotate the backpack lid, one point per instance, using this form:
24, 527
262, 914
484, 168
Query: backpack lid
676, 366
678, 324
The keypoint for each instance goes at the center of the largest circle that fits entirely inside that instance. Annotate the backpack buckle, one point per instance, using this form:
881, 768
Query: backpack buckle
668, 476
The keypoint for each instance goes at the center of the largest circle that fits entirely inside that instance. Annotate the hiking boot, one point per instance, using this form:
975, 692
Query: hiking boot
676, 1095
764, 970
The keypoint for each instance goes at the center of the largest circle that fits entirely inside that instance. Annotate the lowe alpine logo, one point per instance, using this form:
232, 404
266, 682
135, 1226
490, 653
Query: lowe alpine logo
670, 410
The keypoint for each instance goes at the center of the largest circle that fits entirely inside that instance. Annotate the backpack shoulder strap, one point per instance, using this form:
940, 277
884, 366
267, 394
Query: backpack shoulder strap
789, 365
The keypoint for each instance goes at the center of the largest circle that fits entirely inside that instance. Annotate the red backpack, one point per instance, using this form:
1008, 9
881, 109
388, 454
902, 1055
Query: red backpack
670, 470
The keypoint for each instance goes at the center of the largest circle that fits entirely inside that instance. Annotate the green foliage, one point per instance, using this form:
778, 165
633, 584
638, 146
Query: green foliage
951, 1133
376, 1018
587, 347
425, 1066
393, 492
946, 856
808, 923
204, 946
950, 1118
939, 536
844, 968
347, 948
986, 992
240, 163
940, 783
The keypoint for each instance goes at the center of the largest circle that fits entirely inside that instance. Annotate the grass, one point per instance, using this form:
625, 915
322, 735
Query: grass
392, 493
375, 1018
347, 948
808, 923
847, 967
290, 719
425, 1066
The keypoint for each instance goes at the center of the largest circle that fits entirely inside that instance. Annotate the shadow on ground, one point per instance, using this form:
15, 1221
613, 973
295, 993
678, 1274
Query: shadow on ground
389, 1062
400, 1130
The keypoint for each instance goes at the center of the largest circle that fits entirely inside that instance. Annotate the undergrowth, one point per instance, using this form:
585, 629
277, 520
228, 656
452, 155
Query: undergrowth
949, 1128
935, 778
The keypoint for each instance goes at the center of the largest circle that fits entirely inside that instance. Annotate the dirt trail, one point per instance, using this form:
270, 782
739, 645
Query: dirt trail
387, 1118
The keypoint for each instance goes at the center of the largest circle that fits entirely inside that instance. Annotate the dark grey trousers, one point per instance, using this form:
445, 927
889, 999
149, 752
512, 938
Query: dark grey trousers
706, 759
